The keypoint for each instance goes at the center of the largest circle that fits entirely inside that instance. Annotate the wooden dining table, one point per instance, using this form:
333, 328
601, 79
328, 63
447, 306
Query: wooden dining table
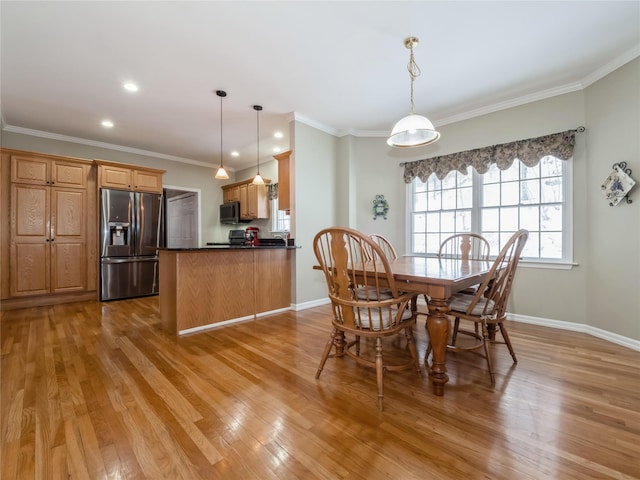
439, 279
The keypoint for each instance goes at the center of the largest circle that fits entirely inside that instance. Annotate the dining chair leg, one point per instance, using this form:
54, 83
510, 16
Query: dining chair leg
379, 371
426, 355
485, 344
327, 348
411, 343
507, 340
456, 326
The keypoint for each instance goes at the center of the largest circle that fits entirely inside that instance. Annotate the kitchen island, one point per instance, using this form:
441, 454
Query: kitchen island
207, 287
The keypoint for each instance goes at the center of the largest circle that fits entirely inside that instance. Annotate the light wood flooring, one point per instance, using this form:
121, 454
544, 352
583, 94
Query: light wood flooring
98, 391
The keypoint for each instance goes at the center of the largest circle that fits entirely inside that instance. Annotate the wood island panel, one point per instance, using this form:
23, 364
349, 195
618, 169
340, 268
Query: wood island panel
202, 287
273, 279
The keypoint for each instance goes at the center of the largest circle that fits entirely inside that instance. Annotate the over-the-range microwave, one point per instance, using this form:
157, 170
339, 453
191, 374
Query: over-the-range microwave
230, 213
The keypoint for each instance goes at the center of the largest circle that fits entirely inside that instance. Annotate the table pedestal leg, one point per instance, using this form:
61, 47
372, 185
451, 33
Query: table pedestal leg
438, 329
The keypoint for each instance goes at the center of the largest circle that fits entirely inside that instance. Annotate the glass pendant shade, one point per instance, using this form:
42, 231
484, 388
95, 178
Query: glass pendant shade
413, 131
222, 174
257, 180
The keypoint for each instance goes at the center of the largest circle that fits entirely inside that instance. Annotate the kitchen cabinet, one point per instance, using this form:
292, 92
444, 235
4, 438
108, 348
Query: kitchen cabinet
40, 170
46, 255
48, 240
254, 199
284, 180
231, 194
129, 177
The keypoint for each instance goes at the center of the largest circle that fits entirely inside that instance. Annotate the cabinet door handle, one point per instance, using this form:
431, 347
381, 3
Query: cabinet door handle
47, 240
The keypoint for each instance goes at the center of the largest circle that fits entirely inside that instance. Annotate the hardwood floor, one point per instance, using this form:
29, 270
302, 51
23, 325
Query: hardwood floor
93, 390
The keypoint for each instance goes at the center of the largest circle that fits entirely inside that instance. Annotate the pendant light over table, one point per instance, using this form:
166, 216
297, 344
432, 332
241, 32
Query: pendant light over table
221, 174
257, 180
413, 130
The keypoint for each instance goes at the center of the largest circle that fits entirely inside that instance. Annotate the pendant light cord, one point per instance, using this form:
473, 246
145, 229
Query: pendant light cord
221, 166
414, 69
257, 108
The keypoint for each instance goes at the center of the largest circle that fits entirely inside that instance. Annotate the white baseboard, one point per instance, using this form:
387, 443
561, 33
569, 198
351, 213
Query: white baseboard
578, 327
543, 322
313, 303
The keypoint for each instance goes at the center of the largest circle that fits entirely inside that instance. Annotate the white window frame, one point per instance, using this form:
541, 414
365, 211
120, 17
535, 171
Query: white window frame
565, 263
276, 226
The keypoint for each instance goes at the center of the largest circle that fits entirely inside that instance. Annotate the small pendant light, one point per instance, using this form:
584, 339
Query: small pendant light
257, 180
221, 174
413, 130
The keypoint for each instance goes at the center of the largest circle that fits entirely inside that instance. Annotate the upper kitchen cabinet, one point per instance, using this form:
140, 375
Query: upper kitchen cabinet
48, 253
254, 200
231, 194
34, 169
284, 180
129, 177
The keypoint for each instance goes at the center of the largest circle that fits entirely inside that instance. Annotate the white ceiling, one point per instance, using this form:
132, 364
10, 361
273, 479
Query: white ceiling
336, 65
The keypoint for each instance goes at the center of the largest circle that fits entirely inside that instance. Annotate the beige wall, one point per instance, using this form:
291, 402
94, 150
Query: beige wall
613, 233
316, 174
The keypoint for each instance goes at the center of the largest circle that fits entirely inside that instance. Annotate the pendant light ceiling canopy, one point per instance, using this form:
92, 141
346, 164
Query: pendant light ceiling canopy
221, 174
413, 130
257, 180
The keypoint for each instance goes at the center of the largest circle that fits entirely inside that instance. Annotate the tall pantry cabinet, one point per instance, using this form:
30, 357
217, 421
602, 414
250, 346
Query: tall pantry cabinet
48, 254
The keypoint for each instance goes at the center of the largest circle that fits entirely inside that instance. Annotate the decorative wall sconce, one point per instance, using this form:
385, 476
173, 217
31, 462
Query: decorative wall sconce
618, 184
380, 207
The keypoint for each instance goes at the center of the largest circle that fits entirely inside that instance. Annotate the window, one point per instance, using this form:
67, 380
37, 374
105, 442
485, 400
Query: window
496, 205
281, 221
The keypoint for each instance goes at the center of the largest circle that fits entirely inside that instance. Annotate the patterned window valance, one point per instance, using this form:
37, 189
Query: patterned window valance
272, 191
529, 152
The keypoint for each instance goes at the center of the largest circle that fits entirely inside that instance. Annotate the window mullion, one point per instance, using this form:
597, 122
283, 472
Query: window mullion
476, 204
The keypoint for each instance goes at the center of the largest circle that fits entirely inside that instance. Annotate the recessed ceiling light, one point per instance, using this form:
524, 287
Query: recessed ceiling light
278, 135
107, 123
276, 149
130, 87
235, 153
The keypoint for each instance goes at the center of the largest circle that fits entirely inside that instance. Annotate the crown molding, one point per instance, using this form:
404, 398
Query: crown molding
614, 64
317, 125
109, 146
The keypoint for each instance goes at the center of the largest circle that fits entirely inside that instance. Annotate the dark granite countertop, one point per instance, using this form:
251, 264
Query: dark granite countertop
231, 247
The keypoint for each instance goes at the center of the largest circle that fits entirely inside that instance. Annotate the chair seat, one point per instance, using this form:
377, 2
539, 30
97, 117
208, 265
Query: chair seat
372, 293
371, 318
460, 303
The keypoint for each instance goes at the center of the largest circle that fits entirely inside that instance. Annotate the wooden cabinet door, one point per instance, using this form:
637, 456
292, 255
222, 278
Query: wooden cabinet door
231, 194
284, 181
69, 174
115, 177
147, 181
261, 202
30, 245
244, 202
252, 201
68, 240
31, 170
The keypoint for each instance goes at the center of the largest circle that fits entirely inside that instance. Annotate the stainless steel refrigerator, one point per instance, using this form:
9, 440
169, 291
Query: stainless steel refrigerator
130, 235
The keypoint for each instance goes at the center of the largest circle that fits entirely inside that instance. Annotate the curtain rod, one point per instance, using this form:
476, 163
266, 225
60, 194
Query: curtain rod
580, 129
